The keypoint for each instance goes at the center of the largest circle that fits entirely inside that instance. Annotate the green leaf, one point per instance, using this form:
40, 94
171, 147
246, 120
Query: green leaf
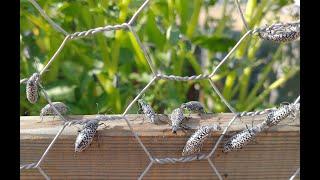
173, 34
214, 43
155, 35
210, 2
184, 9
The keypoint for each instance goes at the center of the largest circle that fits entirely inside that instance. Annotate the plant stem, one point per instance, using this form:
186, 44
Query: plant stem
263, 77
230, 80
244, 83
273, 86
194, 18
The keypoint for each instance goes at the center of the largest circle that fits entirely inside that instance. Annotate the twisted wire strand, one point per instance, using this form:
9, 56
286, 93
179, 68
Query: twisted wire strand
264, 111
183, 78
98, 117
183, 159
93, 31
257, 113
28, 166
108, 117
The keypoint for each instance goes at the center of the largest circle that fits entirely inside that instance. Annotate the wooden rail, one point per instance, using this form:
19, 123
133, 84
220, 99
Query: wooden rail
117, 155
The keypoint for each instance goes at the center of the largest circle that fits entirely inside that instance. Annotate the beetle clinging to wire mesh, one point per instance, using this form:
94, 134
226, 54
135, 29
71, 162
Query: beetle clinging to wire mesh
193, 106
176, 118
196, 141
148, 111
280, 32
32, 88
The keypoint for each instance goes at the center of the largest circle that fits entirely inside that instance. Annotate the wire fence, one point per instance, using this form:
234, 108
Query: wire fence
157, 75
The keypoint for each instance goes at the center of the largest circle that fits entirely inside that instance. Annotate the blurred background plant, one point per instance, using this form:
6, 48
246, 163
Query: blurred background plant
183, 38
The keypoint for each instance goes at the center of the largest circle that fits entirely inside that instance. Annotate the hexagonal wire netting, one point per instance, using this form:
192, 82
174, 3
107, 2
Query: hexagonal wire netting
156, 76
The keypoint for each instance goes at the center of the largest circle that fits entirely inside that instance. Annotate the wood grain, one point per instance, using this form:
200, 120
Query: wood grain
117, 154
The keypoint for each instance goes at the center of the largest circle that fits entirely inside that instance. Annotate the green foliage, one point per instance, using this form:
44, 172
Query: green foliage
110, 68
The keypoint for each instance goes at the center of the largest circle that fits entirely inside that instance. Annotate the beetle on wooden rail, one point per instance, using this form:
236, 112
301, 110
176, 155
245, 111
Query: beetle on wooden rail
86, 135
274, 117
193, 106
148, 111
48, 109
241, 139
195, 142
176, 118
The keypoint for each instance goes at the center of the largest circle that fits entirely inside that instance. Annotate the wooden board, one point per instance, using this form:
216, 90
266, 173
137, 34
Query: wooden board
117, 154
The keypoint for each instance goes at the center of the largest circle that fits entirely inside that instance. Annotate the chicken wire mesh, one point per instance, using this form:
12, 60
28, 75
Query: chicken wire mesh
281, 32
